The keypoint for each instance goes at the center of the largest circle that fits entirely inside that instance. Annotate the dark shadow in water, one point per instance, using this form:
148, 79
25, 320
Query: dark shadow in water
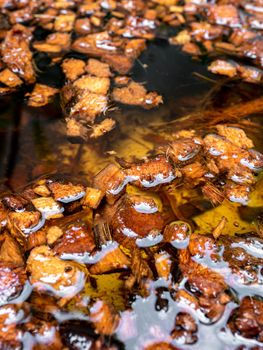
29, 136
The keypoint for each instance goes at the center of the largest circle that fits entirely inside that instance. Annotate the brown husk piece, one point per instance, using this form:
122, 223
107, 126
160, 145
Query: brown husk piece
75, 240
104, 318
12, 280
16, 53
113, 260
98, 68
10, 79
10, 251
129, 218
41, 95
42, 263
247, 319
136, 94
185, 328
73, 68
141, 272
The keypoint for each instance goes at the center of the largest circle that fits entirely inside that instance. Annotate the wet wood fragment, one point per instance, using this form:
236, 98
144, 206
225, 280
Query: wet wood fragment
102, 234
218, 230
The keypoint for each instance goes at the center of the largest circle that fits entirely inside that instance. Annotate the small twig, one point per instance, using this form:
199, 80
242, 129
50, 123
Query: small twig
102, 234
217, 231
201, 76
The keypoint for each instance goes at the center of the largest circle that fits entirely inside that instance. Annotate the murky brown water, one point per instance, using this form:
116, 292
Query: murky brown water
33, 140
33, 143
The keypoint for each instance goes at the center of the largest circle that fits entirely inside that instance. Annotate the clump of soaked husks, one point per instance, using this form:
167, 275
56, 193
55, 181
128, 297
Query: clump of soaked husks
118, 263
95, 45
226, 31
